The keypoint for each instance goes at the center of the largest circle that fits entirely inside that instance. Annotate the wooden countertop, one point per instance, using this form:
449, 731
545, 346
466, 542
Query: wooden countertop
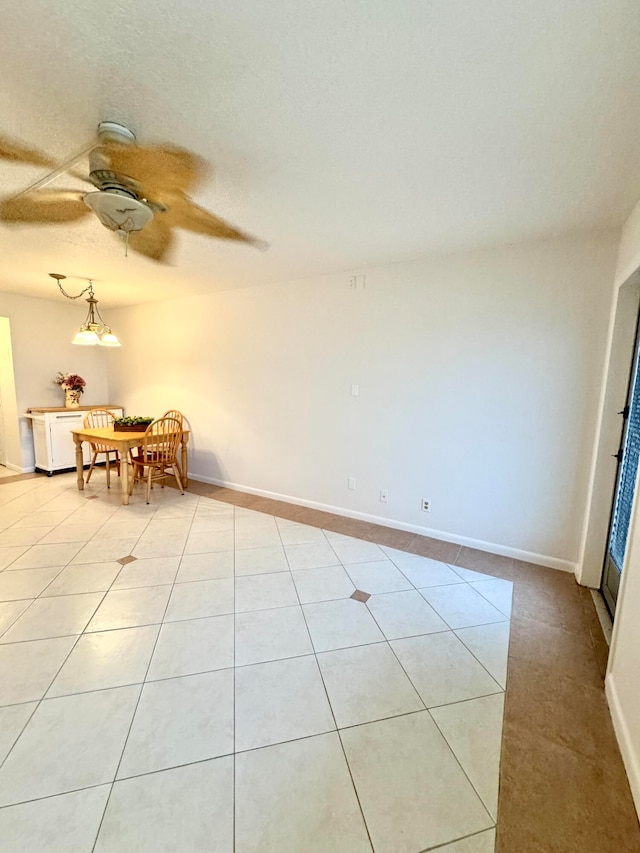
38, 410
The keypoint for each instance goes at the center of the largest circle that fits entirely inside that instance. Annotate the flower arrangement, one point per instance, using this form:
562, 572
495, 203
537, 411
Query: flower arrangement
70, 382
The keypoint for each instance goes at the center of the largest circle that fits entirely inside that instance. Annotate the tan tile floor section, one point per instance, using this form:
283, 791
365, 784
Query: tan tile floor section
7, 476
563, 787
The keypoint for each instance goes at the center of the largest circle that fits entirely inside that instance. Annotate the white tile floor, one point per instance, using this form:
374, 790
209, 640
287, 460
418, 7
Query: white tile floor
223, 692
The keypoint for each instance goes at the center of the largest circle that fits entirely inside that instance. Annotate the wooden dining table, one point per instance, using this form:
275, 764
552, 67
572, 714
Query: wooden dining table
122, 442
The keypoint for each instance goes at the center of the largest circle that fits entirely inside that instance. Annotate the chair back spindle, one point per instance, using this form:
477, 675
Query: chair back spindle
99, 419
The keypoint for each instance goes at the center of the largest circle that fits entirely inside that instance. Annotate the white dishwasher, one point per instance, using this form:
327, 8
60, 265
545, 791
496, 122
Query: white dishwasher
55, 449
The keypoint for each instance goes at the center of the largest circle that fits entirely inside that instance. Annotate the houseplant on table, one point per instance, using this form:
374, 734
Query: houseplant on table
73, 386
134, 424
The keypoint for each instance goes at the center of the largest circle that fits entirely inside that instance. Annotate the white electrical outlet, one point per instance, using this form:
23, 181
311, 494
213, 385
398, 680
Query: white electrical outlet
426, 505
351, 483
384, 496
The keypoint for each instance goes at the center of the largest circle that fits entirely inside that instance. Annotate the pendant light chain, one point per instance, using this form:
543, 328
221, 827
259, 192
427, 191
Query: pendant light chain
91, 332
88, 289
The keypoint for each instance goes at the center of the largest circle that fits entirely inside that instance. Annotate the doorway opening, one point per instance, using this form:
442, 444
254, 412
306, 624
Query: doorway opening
10, 448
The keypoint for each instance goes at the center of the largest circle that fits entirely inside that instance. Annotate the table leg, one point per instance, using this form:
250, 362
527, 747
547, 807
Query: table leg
185, 463
79, 462
124, 477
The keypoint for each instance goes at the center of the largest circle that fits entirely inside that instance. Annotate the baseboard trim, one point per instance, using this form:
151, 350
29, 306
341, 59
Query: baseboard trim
18, 469
630, 756
480, 545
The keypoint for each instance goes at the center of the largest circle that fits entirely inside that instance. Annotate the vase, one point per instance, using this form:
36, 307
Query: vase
71, 399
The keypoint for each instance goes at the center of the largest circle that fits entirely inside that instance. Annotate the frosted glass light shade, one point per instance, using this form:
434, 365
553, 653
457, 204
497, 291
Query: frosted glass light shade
109, 340
86, 338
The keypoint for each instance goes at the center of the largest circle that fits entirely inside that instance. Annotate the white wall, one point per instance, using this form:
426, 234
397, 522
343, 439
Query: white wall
629, 249
623, 674
41, 332
476, 375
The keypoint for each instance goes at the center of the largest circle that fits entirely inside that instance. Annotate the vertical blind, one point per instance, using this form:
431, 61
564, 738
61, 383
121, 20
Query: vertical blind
627, 476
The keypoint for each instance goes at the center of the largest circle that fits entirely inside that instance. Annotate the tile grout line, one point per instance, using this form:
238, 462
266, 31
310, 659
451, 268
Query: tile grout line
8, 628
53, 796
223, 755
457, 840
428, 708
135, 710
335, 722
257, 610
459, 762
42, 698
462, 628
448, 630
498, 692
507, 615
473, 654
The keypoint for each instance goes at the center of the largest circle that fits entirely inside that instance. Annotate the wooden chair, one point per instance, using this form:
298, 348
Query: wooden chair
101, 418
157, 453
174, 413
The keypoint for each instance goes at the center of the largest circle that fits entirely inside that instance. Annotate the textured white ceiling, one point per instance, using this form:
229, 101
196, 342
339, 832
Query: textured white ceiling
344, 132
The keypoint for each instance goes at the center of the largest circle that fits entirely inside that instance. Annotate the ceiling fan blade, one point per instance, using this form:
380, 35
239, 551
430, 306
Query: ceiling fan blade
154, 241
18, 153
43, 207
157, 168
183, 213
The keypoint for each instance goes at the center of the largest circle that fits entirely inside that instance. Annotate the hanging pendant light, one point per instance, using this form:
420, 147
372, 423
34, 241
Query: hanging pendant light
94, 331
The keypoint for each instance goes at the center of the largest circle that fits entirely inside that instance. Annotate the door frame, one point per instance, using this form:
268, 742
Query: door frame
614, 388
634, 371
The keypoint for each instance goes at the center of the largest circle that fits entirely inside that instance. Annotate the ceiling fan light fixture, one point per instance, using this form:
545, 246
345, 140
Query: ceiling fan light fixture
119, 210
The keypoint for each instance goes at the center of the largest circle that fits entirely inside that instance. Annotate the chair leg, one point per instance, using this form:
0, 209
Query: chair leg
108, 470
118, 462
179, 467
149, 483
134, 475
93, 462
176, 474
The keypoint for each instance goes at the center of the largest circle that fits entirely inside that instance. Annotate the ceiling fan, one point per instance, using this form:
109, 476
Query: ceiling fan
140, 192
